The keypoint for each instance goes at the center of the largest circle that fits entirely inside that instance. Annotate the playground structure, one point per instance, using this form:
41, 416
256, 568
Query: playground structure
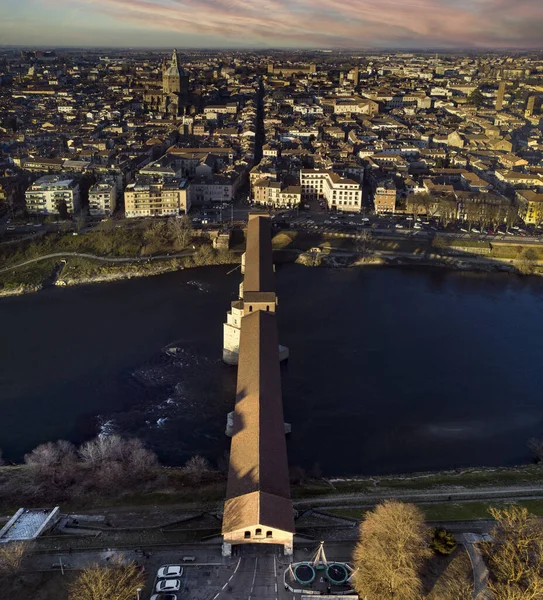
319, 576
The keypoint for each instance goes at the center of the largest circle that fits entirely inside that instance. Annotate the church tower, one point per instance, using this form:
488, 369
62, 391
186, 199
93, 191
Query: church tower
175, 85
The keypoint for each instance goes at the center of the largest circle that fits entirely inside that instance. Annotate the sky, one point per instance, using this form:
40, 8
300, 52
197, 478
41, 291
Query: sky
274, 23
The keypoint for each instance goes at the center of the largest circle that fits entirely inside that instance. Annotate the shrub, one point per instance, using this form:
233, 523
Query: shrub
442, 541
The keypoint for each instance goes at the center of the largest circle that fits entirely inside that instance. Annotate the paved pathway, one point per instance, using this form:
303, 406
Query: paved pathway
480, 571
101, 258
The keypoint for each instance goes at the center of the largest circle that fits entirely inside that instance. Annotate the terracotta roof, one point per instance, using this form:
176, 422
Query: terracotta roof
258, 264
258, 477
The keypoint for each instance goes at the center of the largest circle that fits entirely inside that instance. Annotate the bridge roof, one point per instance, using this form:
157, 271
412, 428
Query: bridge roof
258, 476
258, 255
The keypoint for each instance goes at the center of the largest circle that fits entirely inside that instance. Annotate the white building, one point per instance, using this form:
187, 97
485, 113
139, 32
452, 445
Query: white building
50, 193
102, 199
340, 194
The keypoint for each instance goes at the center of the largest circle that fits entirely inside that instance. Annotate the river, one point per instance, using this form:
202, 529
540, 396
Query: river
391, 370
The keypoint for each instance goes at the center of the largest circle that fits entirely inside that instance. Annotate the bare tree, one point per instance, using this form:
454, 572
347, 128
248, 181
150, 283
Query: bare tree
447, 209
114, 458
12, 555
181, 230
196, 467
515, 556
392, 549
536, 446
363, 240
117, 582
53, 460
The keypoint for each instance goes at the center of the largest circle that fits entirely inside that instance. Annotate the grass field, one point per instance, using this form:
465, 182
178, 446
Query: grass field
449, 511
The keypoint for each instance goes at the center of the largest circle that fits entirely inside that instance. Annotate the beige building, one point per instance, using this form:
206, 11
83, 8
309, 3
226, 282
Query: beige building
530, 207
214, 190
151, 197
339, 193
270, 193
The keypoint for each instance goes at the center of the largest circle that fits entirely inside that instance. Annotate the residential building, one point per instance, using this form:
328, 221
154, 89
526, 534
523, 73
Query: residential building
154, 197
213, 190
339, 193
385, 197
102, 199
53, 195
530, 207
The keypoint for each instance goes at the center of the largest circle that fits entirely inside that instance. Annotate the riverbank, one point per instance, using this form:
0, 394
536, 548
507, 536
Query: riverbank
81, 270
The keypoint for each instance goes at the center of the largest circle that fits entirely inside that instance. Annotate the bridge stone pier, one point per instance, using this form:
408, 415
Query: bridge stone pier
257, 291
258, 507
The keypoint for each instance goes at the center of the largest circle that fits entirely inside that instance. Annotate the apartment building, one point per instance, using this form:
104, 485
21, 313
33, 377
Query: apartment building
339, 193
214, 190
270, 193
52, 195
385, 197
102, 199
153, 197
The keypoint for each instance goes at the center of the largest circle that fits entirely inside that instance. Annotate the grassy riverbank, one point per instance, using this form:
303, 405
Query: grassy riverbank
149, 246
448, 511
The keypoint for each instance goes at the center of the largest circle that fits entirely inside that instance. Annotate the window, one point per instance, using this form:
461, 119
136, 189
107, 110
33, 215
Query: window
250, 309
258, 531
268, 534
247, 535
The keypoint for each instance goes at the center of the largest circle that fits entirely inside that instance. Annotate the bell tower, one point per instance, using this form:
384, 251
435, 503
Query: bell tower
175, 84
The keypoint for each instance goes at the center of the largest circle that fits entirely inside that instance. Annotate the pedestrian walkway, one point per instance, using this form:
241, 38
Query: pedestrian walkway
480, 571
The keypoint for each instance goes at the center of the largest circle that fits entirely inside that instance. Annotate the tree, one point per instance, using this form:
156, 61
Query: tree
476, 98
196, 467
204, 255
515, 556
115, 459
536, 446
447, 209
443, 541
392, 549
52, 460
117, 582
363, 240
181, 232
12, 555
528, 261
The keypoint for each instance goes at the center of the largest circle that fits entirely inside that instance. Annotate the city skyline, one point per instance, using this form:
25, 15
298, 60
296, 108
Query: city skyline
483, 24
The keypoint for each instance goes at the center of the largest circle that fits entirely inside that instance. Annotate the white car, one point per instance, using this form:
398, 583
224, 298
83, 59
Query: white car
365, 219
327, 222
170, 571
168, 585
399, 226
164, 597
418, 226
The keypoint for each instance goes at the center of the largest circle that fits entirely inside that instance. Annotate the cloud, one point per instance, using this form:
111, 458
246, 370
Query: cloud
347, 23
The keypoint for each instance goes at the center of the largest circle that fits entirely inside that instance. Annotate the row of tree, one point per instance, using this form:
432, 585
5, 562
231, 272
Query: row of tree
485, 209
395, 545
105, 466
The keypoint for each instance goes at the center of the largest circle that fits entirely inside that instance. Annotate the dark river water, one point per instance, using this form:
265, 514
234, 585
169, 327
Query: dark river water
390, 370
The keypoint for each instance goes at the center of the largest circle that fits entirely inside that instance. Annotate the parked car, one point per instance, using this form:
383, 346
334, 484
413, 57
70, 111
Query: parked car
164, 597
168, 585
170, 571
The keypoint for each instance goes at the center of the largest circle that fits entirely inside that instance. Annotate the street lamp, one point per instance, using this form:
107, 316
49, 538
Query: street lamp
138, 592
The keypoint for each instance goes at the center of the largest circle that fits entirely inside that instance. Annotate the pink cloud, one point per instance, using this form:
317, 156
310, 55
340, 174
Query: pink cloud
356, 23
